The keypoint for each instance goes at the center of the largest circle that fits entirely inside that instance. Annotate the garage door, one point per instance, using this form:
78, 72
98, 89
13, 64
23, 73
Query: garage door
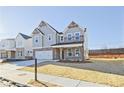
44, 54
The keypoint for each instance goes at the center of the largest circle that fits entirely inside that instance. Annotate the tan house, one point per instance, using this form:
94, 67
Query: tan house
7, 49
72, 44
24, 47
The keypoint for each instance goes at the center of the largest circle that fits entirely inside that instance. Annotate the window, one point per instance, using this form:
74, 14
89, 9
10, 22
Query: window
69, 52
77, 36
77, 52
49, 37
36, 39
69, 37
19, 53
61, 38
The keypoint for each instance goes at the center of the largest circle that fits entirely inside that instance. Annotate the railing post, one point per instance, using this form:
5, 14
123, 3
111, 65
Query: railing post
35, 69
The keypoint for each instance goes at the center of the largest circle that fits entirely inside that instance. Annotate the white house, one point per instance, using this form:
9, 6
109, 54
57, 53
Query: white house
23, 47
42, 38
7, 48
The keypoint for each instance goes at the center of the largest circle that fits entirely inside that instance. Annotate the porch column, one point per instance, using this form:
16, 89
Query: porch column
60, 53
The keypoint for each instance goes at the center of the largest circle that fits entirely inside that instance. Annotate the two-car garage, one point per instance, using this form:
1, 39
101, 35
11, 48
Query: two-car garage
45, 54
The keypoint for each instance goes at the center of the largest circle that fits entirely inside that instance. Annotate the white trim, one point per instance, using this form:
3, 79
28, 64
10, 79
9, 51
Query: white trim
75, 35
70, 52
60, 38
67, 45
51, 37
71, 36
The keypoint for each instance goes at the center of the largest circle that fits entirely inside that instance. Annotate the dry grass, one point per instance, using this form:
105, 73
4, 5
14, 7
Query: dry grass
80, 74
41, 84
108, 59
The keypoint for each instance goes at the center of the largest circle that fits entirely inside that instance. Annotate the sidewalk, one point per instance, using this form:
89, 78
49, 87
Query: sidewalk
23, 77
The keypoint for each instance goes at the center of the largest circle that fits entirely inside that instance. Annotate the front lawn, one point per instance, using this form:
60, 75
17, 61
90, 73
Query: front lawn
107, 59
80, 74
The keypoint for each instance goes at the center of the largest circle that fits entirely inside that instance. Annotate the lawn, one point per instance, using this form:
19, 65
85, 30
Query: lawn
80, 74
108, 59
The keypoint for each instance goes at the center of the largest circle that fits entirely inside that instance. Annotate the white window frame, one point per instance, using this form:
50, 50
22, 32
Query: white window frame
70, 52
61, 38
68, 36
20, 53
75, 35
36, 38
77, 54
50, 35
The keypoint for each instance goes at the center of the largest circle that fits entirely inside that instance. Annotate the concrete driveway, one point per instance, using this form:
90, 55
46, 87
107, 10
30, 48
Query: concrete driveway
20, 64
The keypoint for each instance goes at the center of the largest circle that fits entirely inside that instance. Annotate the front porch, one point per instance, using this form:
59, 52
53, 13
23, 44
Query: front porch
68, 52
7, 54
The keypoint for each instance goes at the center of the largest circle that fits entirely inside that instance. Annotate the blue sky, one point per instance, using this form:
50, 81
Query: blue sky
105, 25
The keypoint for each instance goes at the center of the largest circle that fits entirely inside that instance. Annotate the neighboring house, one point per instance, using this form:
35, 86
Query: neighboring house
23, 47
7, 49
72, 44
42, 38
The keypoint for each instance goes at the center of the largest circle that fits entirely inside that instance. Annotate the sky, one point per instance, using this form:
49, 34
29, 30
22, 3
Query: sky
105, 25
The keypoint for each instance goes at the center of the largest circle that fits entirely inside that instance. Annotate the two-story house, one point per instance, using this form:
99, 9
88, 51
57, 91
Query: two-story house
7, 49
48, 43
23, 47
72, 44
42, 38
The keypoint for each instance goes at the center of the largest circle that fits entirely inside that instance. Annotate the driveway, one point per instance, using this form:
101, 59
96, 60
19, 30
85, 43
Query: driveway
19, 64
102, 66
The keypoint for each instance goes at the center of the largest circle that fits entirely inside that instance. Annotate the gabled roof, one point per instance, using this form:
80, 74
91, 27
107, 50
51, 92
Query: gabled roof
72, 25
37, 29
25, 36
43, 23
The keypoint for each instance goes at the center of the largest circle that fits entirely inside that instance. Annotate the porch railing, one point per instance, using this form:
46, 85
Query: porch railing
72, 39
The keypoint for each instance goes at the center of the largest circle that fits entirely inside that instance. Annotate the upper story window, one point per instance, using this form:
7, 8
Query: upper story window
49, 37
61, 38
69, 36
36, 39
77, 35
